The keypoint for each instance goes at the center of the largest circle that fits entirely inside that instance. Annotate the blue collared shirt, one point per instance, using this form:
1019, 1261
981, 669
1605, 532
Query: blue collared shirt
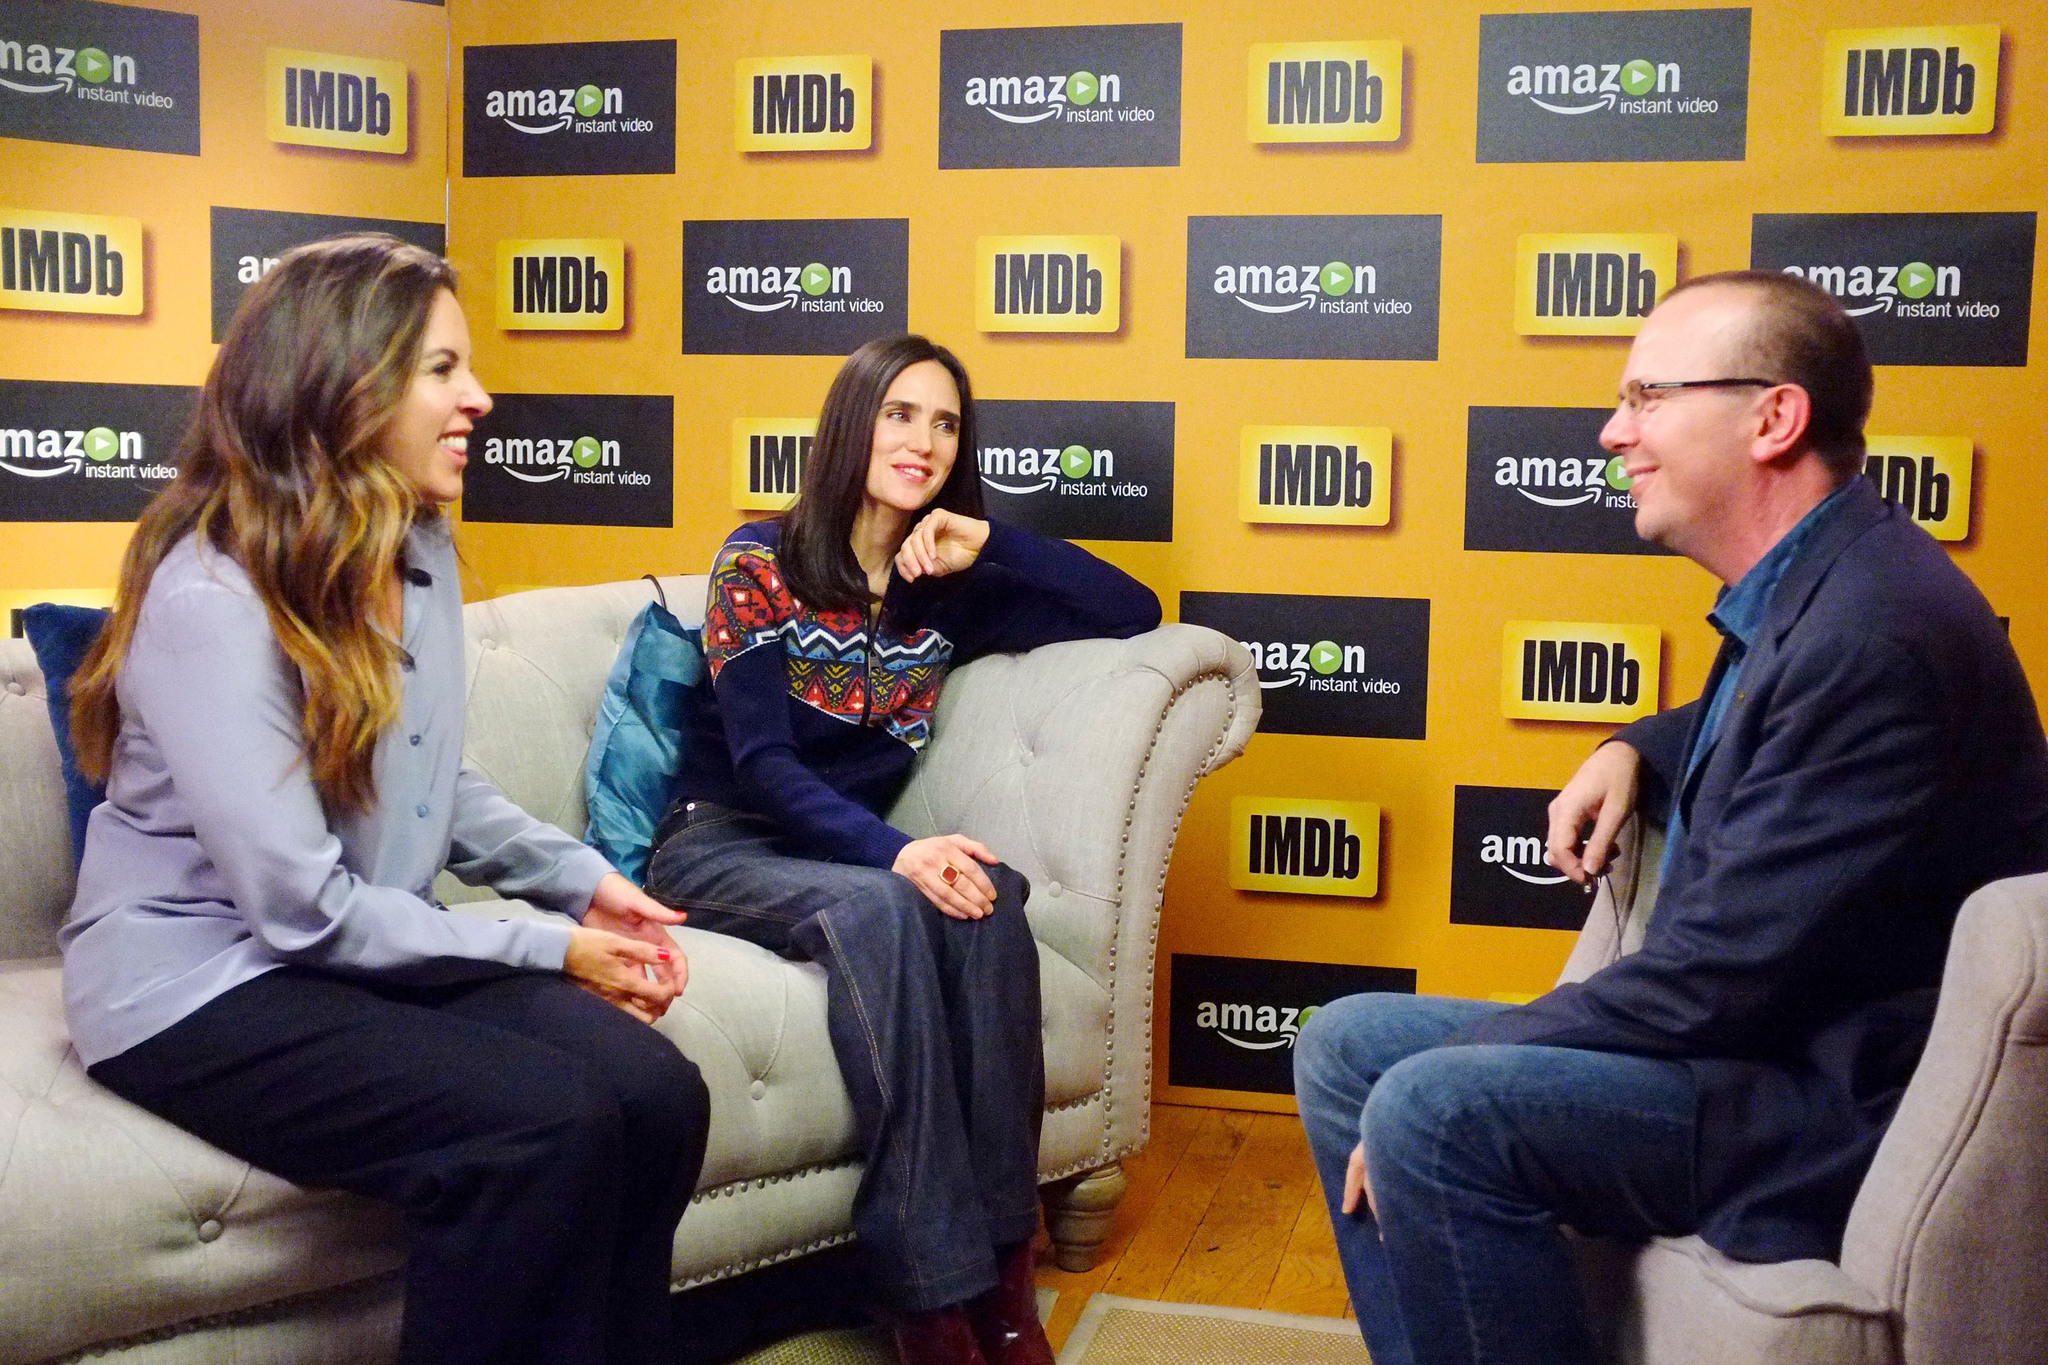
1738, 614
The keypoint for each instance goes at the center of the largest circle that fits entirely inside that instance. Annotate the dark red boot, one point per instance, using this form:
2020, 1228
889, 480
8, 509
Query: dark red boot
1006, 1318
942, 1337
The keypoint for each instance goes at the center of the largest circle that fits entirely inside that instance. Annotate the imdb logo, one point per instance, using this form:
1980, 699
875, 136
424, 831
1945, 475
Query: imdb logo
1928, 477
1579, 670
1314, 848
768, 459
1317, 476
1048, 284
1324, 92
1910, 82
562, 285
70, 263
1600, 285
803, 104
318, 99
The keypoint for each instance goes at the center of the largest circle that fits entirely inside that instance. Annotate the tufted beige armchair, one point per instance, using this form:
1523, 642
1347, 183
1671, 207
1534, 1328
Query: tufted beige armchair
1946, 1257
122, 1237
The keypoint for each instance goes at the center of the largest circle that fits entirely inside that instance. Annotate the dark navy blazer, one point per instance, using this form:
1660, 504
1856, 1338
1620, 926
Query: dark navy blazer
1882, 759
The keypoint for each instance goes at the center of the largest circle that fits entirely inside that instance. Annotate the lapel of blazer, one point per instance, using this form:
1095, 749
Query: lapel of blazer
1861, 509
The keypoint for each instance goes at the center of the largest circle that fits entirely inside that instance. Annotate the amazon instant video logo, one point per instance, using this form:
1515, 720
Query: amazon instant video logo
1102, 95
573, 459
1925, 288
1234, 1020
569, 109
793, 286
102, 75
1314, 287
1536, 480
87, 452
1499, 875
1078, 470
1329, 665
1643, 85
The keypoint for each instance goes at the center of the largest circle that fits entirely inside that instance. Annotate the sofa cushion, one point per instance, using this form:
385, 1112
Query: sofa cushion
61, 636
122, 1224
641, 737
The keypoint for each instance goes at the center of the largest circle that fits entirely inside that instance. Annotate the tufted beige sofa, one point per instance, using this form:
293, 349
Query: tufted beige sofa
1945, 1261
123, 1239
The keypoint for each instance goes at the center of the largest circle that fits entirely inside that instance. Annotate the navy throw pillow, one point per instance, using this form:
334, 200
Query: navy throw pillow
637, 749
60, 636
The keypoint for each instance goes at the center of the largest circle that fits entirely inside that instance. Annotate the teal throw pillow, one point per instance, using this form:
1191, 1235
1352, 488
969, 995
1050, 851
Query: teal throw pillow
60, 637
642, 727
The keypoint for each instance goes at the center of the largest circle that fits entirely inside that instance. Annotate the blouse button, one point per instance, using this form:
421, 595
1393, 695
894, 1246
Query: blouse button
420, 811
415, 741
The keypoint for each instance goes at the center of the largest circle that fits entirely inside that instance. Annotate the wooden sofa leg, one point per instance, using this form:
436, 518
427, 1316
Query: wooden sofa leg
1078, 1212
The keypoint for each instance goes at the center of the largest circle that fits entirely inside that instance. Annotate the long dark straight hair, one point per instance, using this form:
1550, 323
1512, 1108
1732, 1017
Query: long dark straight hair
817, 555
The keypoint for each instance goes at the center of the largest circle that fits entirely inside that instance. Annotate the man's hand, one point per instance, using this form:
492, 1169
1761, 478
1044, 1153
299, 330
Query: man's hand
944, 542
967, 893
1603, 790
1357, 1184
619, 907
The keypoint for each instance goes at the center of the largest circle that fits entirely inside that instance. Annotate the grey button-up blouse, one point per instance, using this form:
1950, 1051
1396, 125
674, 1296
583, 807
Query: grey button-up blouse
212, 859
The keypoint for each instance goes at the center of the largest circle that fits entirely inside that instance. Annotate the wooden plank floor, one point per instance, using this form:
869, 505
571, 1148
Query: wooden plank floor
1223, 1208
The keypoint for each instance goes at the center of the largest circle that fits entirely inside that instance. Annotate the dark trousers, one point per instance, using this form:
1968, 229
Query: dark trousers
541, 1142
935, 1025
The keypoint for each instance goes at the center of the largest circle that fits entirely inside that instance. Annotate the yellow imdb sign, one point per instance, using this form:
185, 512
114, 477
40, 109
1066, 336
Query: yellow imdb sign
573, 284
320, 99
1048, 284
1908, 82
1928, 476
1324, 92
1590, 284
803, 104
1313, 848
1578, 670
768, 459
70, 263
1317, 476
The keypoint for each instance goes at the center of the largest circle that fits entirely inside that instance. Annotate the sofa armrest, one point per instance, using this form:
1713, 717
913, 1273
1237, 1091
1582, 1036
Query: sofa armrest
1950, 1227
1075, 763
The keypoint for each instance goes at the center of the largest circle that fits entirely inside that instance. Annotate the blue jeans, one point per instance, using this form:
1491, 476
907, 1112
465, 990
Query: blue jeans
1476, 1154
934, 1022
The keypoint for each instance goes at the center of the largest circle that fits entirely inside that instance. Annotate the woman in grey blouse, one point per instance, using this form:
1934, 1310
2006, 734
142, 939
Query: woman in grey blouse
255, 952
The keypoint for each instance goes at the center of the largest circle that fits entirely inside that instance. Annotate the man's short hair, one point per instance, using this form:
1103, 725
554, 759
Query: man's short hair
1800, 335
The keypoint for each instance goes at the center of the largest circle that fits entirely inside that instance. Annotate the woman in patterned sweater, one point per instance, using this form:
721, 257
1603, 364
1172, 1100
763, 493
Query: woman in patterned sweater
828, 635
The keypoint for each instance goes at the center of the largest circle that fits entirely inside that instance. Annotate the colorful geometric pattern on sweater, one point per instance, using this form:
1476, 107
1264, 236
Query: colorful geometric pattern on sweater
835, 663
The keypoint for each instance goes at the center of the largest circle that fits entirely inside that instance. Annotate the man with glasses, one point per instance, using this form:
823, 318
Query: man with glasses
1866, 753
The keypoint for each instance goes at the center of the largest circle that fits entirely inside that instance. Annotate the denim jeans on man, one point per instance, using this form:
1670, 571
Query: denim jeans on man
1476, 1154
935, 1024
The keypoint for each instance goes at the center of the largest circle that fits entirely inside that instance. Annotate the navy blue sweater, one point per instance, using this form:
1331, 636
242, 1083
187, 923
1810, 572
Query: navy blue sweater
813, 718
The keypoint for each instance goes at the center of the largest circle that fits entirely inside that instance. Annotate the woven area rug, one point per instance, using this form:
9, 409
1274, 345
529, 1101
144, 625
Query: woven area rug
850, 1346
1120, 1331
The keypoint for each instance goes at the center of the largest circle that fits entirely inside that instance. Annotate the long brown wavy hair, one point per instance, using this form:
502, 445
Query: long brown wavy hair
282, 471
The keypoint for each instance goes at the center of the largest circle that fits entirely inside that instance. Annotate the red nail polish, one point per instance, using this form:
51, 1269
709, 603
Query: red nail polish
662, 954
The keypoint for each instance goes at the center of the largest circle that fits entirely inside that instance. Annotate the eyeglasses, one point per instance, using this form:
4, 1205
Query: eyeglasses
1636, 395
